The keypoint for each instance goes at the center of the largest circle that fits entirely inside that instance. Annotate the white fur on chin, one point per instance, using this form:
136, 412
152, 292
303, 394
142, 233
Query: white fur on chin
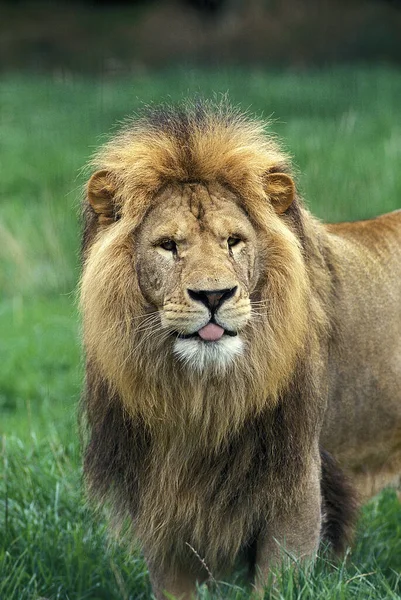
200, 355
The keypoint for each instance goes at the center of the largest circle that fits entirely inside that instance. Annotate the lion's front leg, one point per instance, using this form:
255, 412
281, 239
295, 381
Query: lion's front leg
173, 582
293, 535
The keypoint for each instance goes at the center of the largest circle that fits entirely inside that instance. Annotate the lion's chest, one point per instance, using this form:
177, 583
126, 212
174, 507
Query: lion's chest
211, 502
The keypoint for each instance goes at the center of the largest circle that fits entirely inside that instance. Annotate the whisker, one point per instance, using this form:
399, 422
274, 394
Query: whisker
146, 319
261, 303
152, 333
146, 315
148, 326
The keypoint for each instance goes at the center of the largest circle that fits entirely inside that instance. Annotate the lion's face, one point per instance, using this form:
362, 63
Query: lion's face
197, 265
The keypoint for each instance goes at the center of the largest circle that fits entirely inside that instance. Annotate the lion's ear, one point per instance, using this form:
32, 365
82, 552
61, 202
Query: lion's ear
101, 191
281, 191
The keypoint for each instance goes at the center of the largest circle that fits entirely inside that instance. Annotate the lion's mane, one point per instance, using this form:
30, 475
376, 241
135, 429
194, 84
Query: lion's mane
204, 460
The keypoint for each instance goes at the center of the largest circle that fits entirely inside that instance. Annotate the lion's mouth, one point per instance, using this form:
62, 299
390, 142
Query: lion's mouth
212, 332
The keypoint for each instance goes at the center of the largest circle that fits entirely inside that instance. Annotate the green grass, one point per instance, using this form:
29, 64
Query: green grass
343, 128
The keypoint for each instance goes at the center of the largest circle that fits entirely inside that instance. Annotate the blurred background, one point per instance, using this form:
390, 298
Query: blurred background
327, 74
134, 36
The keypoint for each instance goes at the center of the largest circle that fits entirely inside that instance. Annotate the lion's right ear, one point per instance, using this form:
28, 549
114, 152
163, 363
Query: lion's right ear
100, 193
280, 189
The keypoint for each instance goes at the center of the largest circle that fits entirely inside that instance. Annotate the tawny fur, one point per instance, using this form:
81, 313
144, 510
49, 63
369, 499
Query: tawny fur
207, 459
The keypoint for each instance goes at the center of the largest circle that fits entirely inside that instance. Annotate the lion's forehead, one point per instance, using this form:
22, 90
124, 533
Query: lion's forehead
197, 210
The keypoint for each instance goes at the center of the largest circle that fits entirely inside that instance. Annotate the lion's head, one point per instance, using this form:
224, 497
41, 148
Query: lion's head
194, 273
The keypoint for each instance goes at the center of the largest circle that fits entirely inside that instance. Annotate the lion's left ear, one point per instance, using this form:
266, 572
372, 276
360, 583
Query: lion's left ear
280, 189
100, 193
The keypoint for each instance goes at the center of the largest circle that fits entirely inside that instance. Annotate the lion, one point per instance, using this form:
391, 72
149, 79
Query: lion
243, 360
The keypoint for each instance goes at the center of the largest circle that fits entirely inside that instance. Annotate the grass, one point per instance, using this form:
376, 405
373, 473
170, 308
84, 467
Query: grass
344, 130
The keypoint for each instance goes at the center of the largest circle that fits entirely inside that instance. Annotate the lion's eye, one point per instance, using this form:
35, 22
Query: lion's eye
169, 245
233, 241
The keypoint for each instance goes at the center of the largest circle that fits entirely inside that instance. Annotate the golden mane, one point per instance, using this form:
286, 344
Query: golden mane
196, 142
219, 432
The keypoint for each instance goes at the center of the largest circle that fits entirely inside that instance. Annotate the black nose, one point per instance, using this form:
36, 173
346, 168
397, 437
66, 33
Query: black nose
212, 299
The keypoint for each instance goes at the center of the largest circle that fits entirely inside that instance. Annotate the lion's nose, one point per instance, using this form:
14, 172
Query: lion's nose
212, 299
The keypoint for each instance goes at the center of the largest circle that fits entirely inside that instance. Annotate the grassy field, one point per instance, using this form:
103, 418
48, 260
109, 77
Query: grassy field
343, 128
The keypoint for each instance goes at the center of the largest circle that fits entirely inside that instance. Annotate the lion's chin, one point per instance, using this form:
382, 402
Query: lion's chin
200, 355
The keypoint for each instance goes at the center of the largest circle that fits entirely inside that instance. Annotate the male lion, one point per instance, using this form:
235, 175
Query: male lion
229, 338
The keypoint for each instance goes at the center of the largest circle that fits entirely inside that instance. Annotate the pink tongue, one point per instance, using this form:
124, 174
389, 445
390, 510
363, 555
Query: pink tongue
211, 332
